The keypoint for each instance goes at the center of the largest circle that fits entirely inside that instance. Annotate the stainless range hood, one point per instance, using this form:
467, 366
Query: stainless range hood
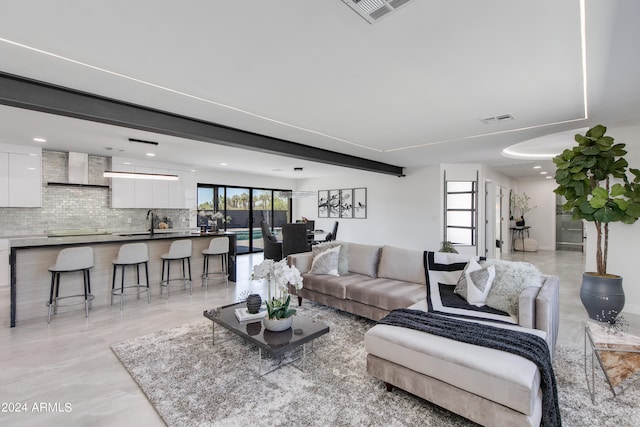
77, 172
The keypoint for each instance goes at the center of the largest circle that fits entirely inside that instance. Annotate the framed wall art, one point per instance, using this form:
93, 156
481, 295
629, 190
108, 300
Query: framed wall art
334, 203
346, 203
359, 203
323, 204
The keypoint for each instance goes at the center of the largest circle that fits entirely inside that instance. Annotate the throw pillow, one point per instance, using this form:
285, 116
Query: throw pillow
511, 279
343, 256
475, 283
326, 262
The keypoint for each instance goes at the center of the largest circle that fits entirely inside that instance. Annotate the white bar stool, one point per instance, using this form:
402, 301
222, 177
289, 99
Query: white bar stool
71, 260
218, 246
132, 254
180, 250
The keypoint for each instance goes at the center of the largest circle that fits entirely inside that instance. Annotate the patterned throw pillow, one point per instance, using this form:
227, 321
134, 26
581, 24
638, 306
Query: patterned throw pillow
475, 283
326, 262
511, 279
343, 257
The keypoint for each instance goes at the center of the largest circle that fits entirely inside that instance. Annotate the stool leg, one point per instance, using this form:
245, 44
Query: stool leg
205, 270
162, 276
55, 301
51, 292
184, 275
146, 276
138, 279
85, 274
113, 283
190, 282
89, 290
225, 267
122, 286
168, 276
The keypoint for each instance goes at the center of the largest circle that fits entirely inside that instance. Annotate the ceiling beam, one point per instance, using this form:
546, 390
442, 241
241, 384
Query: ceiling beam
35, 95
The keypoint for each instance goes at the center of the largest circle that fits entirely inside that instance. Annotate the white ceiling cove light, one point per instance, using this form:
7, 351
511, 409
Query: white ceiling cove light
138, 175
373, 10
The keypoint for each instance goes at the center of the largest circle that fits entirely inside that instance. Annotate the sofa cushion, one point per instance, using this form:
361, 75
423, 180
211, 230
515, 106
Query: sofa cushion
343, 258
402, 264
387, 294
335, 286
326, 262
364, 259
511, 279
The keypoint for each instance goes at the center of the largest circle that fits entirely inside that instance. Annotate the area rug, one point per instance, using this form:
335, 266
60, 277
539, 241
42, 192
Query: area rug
191, 382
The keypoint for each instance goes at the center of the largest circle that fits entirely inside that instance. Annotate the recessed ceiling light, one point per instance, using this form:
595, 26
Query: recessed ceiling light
150, 154
126, 163
193, 170
543, 173
224, 164
537, 167
39, 140
549, 177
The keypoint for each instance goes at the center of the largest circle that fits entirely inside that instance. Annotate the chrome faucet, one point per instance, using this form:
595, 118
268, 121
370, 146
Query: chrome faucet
150, 216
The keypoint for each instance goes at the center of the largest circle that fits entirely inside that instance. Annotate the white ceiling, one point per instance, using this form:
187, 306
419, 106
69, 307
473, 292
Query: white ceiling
409, 90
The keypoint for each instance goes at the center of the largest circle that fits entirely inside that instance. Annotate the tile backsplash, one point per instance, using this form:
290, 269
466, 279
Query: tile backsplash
78, 207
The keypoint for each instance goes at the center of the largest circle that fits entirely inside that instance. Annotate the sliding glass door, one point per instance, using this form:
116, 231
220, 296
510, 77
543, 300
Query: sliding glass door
244, 209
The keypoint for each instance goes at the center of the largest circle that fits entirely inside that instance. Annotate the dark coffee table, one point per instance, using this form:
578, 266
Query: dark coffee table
302, 332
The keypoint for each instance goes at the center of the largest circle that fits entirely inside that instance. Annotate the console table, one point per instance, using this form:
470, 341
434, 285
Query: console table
617, 354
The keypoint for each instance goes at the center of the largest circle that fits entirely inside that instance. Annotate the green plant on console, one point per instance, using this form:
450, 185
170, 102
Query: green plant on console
584, 176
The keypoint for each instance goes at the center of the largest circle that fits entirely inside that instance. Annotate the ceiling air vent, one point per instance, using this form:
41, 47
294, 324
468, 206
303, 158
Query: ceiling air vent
497, 119
373, 10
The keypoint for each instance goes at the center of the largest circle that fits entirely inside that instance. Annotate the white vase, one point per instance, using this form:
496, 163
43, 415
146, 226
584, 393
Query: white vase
277, 325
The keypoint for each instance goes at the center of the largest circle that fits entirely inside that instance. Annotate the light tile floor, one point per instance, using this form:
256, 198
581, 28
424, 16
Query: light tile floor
70, 362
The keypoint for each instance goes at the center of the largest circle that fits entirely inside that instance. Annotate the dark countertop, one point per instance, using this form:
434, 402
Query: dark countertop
37, 242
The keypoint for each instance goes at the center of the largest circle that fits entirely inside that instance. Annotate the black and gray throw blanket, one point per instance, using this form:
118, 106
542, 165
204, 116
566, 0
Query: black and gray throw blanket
529, 346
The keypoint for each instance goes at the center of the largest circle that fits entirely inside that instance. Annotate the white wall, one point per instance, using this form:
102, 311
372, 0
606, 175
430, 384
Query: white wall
623, 238
403, 212
542, 219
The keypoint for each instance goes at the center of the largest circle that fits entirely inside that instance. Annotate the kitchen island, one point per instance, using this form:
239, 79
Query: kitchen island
30, 258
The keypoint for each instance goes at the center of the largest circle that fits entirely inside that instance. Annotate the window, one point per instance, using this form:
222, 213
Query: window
461, 212
243, 208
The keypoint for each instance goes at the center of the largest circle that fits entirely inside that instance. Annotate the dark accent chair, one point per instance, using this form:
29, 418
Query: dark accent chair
294, 239
272, 248
332, 235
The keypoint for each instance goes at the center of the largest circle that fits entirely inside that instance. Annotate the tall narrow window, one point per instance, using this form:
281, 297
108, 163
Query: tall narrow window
461, 212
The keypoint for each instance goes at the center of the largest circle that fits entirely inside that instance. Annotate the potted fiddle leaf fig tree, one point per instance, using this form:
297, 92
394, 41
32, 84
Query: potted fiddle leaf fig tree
593, 178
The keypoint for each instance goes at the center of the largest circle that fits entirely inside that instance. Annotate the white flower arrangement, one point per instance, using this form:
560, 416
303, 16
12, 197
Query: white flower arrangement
280, 275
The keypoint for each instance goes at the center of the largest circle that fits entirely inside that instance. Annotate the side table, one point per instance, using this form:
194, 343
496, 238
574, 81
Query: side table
618, 355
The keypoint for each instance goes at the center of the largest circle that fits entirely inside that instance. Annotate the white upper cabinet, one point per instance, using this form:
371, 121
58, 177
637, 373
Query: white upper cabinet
20, 176
148, 194
4, 180
122, 189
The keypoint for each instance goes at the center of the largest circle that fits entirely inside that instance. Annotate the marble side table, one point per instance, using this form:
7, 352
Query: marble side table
618, 355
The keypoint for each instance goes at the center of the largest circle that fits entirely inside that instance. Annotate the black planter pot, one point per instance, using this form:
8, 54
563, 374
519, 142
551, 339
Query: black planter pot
602, 297
254, 301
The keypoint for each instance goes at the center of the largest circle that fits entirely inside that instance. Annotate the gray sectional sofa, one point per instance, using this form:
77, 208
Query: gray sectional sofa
487, 386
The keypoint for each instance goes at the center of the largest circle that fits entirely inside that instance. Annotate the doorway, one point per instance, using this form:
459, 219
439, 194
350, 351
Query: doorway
494, 220
569, 232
